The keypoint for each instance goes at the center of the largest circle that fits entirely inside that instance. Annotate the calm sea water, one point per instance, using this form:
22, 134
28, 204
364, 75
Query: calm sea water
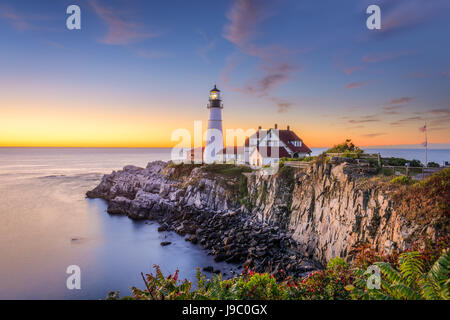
47, 224
43, 209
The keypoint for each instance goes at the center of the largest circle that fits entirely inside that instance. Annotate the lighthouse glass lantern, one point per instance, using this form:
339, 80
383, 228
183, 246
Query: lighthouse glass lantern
214, 94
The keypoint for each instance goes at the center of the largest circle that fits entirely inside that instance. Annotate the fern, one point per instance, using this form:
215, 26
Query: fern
411, 282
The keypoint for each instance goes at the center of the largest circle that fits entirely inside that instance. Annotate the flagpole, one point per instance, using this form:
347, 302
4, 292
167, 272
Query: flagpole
426, 146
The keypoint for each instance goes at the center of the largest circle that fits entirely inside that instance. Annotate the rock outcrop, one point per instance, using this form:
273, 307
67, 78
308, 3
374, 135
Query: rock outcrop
205, 207
330, 209
293, 220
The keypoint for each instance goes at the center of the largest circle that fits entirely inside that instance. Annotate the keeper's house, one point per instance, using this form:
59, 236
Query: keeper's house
266, 147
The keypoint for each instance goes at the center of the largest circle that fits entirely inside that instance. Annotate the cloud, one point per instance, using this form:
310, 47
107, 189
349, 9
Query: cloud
416, 75
120, 32
373, 135
244, 17
439, 117
24, 22
447, 73
400, 100
283, 105
405, 14
274, 67
406, 121
203, 51
17, 20
363, 121
394, 105
354, 85
385, 56
340, 65
443, 111
349, 71
391, 109
151, 54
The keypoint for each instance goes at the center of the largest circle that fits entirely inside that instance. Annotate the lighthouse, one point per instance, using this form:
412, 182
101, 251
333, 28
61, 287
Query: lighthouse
214, 135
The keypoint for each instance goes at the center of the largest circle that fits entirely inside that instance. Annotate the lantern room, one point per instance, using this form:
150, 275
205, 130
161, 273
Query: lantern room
214, 94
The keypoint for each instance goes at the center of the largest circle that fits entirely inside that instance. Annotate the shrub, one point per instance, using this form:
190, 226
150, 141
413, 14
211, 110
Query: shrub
399, 162
410, 275
337, 262
402, 180
410, 281
387, 172
345, 147
415, 163
433, 164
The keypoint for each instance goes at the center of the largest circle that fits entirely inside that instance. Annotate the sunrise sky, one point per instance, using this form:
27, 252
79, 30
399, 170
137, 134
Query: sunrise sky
137, 70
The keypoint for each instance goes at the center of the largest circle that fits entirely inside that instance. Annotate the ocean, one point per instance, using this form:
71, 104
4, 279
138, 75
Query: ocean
47, 224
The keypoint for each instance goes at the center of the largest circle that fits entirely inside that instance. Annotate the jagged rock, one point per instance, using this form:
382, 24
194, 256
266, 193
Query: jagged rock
294, 219
208, 269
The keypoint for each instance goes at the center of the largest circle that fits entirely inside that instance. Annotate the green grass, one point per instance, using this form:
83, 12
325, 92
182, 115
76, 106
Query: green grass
226, 169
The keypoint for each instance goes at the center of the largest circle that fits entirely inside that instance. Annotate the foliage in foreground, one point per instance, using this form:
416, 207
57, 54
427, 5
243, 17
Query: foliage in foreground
410, 275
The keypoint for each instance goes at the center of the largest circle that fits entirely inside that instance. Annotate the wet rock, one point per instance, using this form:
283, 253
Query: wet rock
165, 243
208, 269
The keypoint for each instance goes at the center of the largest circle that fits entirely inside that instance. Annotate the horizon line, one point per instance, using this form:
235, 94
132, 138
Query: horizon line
445, 146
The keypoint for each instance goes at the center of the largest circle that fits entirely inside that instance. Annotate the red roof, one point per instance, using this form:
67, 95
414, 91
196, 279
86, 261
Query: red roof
267, 152
286, 136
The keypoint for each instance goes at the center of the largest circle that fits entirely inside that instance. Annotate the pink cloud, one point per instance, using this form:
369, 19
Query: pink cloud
354, 85
275, 67
380, 57
404, 14
244, 17
447, 73
120, 32
151, 54
349, 71
400, 100
416, 75
17, 20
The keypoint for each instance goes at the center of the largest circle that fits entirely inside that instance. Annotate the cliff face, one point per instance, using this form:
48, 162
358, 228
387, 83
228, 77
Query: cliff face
143, 193
204, 204
331, 209
328, 209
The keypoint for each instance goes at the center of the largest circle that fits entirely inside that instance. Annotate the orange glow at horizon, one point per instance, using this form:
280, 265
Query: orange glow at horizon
37, 125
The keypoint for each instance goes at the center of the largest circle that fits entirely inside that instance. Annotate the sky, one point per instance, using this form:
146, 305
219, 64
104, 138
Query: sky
138, 70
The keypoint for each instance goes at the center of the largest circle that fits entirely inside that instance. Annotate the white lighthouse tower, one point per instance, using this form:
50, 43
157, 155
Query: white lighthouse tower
214, 135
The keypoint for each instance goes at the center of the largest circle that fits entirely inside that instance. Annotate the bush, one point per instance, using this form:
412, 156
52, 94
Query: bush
400, 162
410, 281
387, 172
402, 180
433, 164
415, 163
345, 147
410, 275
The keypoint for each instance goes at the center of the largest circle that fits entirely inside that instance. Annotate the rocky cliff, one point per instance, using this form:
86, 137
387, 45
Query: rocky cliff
268, 222
330, 209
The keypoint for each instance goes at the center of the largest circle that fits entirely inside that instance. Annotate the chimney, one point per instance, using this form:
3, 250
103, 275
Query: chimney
288, 128
276, 126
